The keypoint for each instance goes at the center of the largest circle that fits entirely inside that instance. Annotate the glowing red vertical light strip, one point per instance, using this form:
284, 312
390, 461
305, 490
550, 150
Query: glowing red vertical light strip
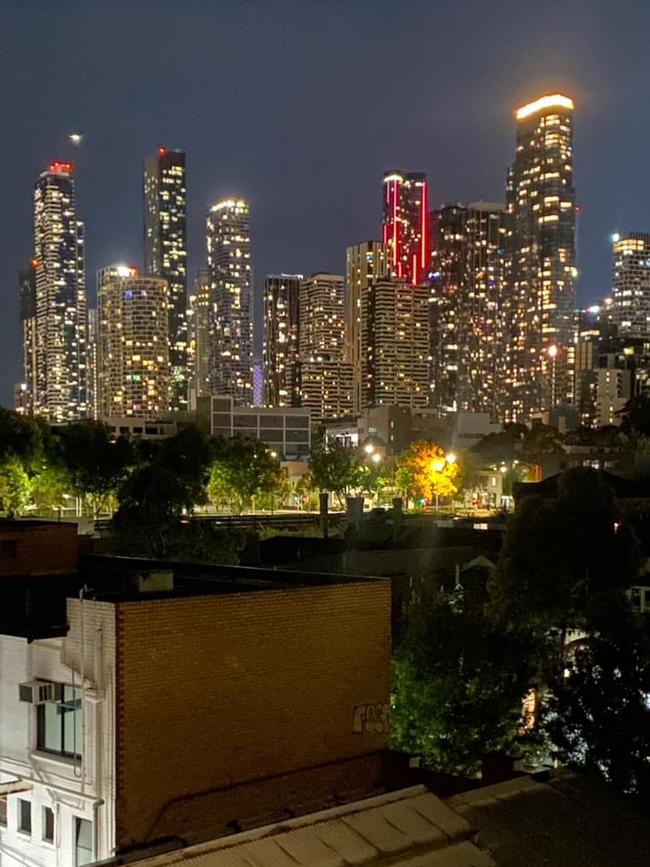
395, 241
414, 275
424, 229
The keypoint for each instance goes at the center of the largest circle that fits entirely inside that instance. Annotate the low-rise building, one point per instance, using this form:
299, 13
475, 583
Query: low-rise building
286, 430
143, 701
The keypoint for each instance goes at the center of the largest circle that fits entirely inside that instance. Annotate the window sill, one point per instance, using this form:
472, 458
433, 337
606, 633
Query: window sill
55, 758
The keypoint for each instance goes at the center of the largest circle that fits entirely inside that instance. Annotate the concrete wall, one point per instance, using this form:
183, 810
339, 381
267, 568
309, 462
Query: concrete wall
219, 691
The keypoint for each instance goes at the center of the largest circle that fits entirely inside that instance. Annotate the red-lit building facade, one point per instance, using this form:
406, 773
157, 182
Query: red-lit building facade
406, 225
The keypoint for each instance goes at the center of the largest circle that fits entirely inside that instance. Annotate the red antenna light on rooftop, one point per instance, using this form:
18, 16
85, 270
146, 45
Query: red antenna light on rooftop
162, 151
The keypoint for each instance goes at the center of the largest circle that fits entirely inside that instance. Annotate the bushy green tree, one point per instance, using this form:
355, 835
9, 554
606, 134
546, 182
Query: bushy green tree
334, 467
96, 464
597, 707
242, 468
458, 686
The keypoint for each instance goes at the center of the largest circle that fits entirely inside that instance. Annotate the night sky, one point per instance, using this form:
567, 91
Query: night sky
300, 106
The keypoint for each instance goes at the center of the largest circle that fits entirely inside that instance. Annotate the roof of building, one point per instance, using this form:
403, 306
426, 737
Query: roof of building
110, 578
568, 820
408, 827
622, 489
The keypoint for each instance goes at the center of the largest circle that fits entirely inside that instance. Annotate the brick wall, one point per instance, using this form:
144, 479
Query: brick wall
217, 691
37, 548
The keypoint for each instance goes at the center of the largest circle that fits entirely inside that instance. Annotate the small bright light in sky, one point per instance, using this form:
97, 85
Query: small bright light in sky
615, 237
76, 138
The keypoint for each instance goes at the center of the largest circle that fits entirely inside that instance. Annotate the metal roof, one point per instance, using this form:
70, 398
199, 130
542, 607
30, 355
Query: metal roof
410, 827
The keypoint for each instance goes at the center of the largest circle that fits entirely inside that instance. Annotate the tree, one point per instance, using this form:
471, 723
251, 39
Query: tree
15, 486
458, 686
597, 709
541, 439
95, 463
276, 494
334, 467
426, 471
502, 447
559, 553
242, 468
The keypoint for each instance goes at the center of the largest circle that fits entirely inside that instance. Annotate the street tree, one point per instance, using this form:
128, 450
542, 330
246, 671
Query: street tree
334, 467
425, 471
96, 464
242, 468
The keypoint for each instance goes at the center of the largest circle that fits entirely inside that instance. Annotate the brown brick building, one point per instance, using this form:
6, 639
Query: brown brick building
218, 699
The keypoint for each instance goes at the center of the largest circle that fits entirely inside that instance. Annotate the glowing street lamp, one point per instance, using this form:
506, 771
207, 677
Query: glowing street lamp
450, 458
369, 448
375, 458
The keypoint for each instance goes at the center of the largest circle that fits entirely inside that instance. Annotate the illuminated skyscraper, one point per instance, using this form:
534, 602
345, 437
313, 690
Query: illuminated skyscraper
406, 225
201, 332
280, 356
364, 263
133, 345
326, 386
448, 275
165, 253
395, 345
27, 389
93, 367
541, 272
231, 286
60, 378
481, 386
630, 307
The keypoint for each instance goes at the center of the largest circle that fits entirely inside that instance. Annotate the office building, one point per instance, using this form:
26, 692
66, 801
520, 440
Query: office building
326, 381
630, 307
280, 354
60, 376
134, 367
364, 262
165, 254
200, 320
230, 270
395, 345
406, 225
27, 388
285, 430
541, 267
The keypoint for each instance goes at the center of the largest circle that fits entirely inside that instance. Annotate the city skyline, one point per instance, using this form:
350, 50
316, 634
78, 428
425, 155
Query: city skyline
463, 140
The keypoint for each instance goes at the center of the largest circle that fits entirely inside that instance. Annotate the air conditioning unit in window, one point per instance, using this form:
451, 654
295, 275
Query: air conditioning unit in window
40, 691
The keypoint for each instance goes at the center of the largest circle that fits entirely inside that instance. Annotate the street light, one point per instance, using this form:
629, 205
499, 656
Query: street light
450, 458
376, 457
368, 448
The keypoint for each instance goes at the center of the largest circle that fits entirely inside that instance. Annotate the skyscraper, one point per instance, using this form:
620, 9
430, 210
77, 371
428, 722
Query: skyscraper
230, 268
630, 307
134, 368
541, 272
280, 354
200, 334
482, 367
93, 366
406, 225
365, 262
395, 345
60, 378
326, 386
165, 253
448, 277
27, 390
